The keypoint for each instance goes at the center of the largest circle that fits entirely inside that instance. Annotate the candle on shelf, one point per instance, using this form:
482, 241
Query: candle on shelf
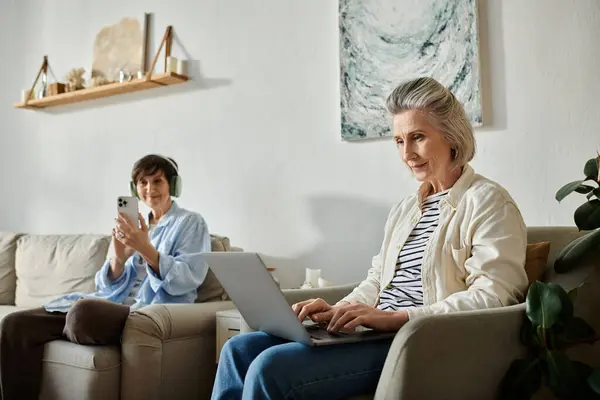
312, 277
27, 94
182, 67
171, 64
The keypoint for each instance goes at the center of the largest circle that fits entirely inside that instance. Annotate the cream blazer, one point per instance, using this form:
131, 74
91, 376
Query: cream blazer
475, 259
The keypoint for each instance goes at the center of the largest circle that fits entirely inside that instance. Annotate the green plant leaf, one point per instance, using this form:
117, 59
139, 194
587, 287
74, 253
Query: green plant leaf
567, 190
587, 215
590, 170
583, 189
595, 192
522, 380
594, 381
563, 378
548, 304
574, 253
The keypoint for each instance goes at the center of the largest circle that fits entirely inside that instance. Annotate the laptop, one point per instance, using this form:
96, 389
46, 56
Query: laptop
262, 304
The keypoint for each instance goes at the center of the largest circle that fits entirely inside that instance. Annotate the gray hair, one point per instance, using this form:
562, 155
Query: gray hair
442, 109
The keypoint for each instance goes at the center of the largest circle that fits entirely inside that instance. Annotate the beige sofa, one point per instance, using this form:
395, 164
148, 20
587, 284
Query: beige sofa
161, 347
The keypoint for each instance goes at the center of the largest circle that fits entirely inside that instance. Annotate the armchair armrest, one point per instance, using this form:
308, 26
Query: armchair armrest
168, 351
453, 356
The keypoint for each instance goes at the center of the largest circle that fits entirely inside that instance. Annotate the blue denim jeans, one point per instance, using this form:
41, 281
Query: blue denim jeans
257, 366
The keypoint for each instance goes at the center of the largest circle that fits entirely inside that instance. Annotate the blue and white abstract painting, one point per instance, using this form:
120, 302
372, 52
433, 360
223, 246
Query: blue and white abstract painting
386, 42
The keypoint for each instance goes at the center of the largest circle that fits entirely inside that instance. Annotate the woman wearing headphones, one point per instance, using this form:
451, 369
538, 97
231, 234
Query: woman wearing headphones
159, 261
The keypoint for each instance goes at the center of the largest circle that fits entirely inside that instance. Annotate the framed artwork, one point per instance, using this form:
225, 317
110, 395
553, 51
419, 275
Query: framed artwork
386, 42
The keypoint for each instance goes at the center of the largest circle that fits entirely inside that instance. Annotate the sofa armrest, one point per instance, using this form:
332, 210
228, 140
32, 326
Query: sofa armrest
453, 356
168, 351
331, 294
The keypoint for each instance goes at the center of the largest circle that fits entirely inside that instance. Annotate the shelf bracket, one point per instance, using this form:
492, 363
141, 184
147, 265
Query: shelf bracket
44, 69
167, 39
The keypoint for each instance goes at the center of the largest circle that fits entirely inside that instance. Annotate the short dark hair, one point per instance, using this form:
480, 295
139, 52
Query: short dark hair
151, 164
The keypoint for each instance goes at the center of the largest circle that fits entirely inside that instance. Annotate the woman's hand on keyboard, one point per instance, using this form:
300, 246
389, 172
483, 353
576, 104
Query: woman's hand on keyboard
311, 308
349, 316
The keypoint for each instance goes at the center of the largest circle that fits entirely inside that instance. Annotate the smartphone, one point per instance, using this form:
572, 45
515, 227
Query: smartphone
128, 205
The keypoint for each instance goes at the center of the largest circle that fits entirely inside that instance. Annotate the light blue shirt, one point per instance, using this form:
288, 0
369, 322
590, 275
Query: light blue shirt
180, 237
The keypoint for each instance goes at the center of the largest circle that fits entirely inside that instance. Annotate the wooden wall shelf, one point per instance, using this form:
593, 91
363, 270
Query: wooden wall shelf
111, 89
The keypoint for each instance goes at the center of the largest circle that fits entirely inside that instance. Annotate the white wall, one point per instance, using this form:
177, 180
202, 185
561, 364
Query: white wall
257, 131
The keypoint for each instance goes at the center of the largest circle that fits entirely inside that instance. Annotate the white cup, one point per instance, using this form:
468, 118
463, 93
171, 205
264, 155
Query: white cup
312, 277
171, 64
182, 67
324, 283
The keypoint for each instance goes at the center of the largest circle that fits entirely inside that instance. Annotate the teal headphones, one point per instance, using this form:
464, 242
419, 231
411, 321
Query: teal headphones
175, 185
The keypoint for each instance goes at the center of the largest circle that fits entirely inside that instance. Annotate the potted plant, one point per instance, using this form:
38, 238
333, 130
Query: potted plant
550, 327
548, 330
587, 217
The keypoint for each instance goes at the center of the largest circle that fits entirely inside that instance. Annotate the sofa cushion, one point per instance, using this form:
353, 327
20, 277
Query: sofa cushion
48, 266
536, 260
8, 246
211, 289
219, 243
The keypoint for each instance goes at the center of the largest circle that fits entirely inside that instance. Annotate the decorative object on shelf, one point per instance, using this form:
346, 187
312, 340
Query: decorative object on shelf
75, 79
586, 216
182, 67
98, 81
311, 279
324, 283
119, 47
171, 64
124, 76
384, 43
27, 94
56, 88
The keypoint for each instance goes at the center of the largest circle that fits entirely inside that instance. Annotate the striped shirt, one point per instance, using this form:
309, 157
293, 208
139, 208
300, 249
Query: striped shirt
406, 289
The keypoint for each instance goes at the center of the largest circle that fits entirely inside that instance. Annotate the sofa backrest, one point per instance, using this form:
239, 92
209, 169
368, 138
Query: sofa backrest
48, 266
558, 236
211, 289
37, 268
8, 279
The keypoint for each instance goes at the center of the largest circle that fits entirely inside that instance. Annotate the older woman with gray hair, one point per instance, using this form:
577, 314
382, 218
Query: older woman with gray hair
457, 244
